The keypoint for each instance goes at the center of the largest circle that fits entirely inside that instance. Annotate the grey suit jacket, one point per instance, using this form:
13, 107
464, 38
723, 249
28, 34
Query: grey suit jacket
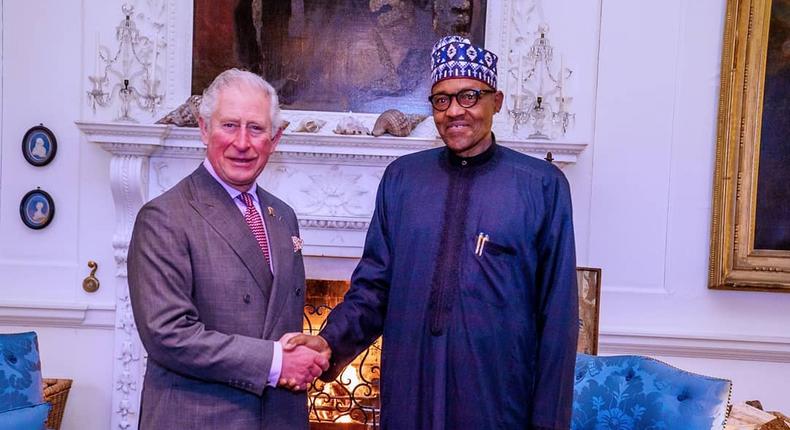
208, 309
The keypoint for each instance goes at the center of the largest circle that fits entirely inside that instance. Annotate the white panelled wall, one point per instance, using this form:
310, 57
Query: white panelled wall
650, 210
642, 192
41, 271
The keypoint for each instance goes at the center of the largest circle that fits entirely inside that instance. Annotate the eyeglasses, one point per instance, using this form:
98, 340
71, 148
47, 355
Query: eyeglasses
465, 99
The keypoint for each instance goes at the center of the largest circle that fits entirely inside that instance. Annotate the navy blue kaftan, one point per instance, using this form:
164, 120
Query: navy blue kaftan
470, 341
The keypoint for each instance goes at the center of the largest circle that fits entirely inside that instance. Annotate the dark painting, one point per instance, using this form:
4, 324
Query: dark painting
332, 55
772, 216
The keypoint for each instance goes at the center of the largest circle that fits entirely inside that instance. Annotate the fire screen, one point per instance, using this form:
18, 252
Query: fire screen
351, 401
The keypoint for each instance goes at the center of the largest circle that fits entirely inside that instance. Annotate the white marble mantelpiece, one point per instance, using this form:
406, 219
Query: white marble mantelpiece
330, 180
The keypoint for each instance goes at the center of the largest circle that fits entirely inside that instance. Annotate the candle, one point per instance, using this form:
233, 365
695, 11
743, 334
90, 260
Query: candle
519, 78
153, 70
97, 60
562, 75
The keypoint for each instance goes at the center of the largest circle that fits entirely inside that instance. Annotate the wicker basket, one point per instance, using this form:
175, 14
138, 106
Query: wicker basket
56, 392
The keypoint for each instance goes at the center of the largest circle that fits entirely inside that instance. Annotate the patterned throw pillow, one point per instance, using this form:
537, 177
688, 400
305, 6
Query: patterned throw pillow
20, 371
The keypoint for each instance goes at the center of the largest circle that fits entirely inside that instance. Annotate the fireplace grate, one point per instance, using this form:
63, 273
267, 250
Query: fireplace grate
351, 401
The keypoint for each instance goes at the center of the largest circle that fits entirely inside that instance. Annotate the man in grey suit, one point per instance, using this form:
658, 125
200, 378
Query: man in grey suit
216, 277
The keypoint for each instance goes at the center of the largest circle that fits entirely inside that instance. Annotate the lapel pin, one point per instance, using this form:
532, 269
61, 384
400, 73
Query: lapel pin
270, 210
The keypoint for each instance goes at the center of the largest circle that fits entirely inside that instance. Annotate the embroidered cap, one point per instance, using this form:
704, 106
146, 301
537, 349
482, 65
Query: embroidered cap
457, 57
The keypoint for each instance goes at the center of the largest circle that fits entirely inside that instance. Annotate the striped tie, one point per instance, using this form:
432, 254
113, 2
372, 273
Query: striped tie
253, 219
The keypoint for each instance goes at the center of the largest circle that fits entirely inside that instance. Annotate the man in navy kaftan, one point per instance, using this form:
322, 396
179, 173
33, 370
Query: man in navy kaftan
468, 271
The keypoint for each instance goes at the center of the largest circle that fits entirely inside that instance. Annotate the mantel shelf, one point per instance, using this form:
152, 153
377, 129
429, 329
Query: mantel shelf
182, 142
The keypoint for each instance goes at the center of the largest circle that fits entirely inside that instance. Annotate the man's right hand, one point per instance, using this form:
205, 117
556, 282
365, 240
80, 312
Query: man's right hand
301, 365
316, 343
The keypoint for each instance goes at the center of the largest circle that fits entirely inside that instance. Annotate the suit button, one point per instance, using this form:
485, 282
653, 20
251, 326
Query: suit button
298, 292
247, 298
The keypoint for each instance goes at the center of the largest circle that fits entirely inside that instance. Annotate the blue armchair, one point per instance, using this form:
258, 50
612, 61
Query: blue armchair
22, 405
630, 392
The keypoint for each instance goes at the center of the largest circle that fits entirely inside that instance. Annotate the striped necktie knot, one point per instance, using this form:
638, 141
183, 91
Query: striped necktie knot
246, 198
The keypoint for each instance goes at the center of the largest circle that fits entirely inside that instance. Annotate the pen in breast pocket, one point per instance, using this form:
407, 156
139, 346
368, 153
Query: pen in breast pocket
482, 238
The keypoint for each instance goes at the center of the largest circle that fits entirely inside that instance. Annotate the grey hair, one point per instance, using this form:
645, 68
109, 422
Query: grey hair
234, 77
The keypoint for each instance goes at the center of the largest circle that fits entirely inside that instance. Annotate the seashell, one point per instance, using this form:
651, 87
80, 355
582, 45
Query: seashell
185, 115
396, 123
350, 125
308, 125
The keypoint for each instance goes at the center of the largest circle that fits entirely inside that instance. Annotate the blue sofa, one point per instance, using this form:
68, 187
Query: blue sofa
630, 392
22, 405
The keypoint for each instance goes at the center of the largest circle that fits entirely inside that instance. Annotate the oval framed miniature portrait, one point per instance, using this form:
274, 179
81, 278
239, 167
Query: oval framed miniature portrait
37, 209
39, 146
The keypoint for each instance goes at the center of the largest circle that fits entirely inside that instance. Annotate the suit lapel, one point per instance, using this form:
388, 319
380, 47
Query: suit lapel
281, 249
214, 204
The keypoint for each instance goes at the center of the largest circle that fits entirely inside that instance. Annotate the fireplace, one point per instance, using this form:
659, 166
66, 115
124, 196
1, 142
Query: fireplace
352, 400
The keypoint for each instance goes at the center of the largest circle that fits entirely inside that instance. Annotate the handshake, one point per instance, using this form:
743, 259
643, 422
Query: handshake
305, 357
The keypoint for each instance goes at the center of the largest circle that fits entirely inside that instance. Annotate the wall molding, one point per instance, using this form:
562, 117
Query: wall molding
66, 314
631, 289
612, 341
695, 345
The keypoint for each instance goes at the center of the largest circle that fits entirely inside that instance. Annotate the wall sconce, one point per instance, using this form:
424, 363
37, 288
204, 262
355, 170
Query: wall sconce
538, 98
132, 68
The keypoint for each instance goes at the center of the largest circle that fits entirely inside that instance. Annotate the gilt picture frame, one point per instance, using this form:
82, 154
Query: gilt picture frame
750, 235
588, 282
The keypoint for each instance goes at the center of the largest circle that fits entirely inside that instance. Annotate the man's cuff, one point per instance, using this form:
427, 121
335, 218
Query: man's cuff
277, 365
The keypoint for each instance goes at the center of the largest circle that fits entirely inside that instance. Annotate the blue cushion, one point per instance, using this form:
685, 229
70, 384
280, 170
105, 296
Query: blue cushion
630, 392
27, 418
20, 371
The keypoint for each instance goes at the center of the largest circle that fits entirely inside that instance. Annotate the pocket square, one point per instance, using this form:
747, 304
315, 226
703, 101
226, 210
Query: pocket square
298, 242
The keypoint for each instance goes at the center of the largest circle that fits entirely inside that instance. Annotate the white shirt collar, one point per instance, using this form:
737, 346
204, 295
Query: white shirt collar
234, 193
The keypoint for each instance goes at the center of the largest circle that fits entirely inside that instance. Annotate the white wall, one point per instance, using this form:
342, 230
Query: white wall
650, 212
41, 271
